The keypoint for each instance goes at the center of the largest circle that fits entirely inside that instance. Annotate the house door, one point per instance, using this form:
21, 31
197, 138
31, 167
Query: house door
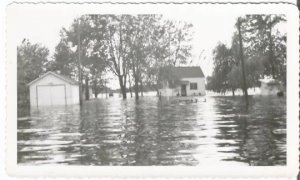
183, 90
51, 95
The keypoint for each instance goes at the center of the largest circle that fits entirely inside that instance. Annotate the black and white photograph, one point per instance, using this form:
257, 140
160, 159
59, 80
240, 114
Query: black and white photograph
133, 88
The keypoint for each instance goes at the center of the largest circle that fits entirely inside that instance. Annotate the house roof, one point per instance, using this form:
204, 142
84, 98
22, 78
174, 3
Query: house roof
62, 77
188, 72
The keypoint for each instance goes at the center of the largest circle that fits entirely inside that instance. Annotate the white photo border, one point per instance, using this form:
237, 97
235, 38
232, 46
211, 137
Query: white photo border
290, 170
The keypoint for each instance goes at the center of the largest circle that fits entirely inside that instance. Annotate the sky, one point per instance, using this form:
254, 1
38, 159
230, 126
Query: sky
208, 31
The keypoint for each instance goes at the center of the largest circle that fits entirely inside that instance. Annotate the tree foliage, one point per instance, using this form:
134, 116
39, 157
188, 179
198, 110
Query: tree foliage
133, 47
31, 63
264, 54
64, 60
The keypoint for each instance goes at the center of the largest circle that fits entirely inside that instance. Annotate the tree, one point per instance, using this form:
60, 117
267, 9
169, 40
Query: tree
133, 47
167, 75
87, 35
78, 36
31, 63
223, 62
117, 31
234, 78
170, 45
160, 53
263, 37
179, 36
238, 25
142, 27
97, 69
252, 55
253, 72
64, 60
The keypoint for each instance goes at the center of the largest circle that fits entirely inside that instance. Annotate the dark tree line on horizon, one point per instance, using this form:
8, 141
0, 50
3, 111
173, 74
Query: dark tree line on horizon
264, 55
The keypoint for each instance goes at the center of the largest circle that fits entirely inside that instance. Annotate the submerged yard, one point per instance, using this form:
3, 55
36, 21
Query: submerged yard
175, 131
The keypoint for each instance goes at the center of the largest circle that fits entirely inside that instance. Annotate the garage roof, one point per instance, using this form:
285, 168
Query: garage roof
62, 77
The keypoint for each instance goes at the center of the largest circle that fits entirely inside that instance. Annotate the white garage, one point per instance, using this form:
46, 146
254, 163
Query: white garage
52, 89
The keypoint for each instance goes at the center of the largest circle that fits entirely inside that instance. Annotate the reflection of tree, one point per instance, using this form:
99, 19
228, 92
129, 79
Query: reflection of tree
105, 138
231, 127
264, 119
254, 131
153, 133
146, 132
174, 120
90, 135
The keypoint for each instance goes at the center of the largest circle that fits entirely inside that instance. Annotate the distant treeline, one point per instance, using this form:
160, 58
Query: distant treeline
264, 53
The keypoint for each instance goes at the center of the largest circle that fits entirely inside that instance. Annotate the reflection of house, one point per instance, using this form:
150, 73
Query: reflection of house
53, 89
270, 87
190, 81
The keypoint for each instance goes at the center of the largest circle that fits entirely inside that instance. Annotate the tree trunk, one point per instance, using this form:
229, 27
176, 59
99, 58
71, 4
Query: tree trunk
123, 90
87, 92
136, 87
130, 89
122, 87
129, 80
105, 89
233, 92
95, 88
242, 63
141, 89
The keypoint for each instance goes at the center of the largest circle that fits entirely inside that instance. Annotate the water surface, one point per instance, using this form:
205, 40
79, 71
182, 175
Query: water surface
175, 131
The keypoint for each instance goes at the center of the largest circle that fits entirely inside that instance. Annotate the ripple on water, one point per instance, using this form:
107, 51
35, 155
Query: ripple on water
151, 132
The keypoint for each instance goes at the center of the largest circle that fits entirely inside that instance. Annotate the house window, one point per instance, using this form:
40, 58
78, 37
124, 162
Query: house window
193, 86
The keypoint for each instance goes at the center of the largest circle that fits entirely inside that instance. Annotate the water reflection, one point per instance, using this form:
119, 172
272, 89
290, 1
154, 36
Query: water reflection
218, 131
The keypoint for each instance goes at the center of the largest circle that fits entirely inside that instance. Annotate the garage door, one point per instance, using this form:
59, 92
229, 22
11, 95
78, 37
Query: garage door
51, 95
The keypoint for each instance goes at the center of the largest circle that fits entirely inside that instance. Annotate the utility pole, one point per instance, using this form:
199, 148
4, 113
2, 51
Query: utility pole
271, 55
242, 62
79, 62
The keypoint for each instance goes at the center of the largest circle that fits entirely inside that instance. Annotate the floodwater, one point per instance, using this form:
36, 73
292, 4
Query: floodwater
175, 131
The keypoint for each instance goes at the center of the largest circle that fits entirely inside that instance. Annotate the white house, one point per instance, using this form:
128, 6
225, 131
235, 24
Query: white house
53, 89
191, 82
270, 86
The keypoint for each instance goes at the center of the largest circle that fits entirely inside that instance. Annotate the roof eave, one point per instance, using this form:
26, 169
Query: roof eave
37, 79
54, 74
